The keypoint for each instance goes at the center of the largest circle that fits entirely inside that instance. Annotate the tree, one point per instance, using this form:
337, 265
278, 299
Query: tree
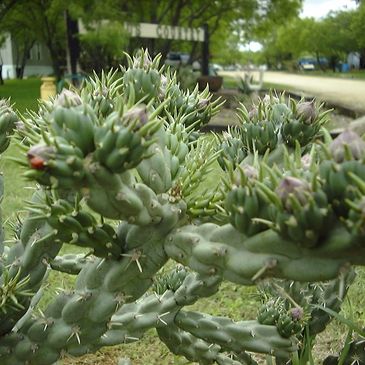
331, 37
23, 38
43, 21
230, 22
102, 47
6, 6
223, 18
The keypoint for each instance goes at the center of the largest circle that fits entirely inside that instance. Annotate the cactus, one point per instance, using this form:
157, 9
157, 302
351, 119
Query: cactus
120, 167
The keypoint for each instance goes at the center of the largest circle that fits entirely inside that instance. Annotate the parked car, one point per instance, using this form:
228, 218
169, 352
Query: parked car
216, 67
175, 59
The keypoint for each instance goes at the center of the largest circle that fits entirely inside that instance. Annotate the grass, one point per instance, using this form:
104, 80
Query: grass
355, 74
23, 93
232, 300
230, 82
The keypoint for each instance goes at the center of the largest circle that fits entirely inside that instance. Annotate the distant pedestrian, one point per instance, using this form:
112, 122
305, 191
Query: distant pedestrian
1, 71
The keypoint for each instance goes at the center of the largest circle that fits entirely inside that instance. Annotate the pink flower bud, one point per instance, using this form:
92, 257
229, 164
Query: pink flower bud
353, 142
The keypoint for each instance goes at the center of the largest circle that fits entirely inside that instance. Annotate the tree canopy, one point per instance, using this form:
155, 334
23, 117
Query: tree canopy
230, 22
332, 37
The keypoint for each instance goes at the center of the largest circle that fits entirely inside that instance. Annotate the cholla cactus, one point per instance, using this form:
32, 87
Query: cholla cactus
119, 177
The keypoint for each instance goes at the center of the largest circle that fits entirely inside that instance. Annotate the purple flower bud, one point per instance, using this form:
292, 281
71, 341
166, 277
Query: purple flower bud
296, 313
306, 161
292, 186
137, 113
103, 92
352, 141
253, 113
268, 99
307, 111
249, 171
203, 103
67, 99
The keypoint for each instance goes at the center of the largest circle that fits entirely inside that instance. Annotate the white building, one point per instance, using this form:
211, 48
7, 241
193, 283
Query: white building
38, 61
353, 60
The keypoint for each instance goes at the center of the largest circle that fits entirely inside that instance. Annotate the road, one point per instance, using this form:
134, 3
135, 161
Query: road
345, 92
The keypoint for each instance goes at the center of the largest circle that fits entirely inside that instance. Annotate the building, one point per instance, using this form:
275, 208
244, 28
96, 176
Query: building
38, 62
353, 60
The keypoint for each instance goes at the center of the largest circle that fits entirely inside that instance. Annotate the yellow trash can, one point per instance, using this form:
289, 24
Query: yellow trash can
48, 87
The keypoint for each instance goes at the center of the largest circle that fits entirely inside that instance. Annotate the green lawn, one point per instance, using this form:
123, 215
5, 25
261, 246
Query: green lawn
355, 74
236, 301
23, 93
232, 83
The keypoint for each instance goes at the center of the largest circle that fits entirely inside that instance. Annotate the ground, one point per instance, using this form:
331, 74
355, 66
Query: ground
346, 92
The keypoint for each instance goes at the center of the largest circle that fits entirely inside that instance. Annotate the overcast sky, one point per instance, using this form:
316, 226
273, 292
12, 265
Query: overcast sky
319, 8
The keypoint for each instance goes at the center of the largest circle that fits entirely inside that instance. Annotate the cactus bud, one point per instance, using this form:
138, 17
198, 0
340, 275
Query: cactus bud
203, 103
250, 172
142, 60
306, 161
352, 141
307, 111
67, 99
4, 104
292, 186
19, 125
269, 99
101, 92
137, 113
253, 113
296, 313
163, 87
39, 155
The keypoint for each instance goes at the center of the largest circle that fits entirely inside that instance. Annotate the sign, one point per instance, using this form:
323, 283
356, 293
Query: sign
148, 30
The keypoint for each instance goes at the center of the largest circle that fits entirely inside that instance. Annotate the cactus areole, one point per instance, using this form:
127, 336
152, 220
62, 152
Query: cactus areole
121, 171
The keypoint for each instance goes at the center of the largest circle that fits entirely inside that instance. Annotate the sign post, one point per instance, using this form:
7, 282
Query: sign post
205, 51
73, 49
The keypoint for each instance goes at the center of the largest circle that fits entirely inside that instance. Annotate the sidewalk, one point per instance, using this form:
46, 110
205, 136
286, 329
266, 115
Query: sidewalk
343, 92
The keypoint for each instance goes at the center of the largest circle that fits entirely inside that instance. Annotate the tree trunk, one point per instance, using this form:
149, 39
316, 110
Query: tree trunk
362, 58
319, 62
55, 61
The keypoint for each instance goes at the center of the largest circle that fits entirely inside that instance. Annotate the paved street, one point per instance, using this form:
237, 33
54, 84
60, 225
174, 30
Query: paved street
346, 92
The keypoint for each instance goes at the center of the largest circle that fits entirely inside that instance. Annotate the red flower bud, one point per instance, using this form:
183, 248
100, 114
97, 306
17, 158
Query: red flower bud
39, 155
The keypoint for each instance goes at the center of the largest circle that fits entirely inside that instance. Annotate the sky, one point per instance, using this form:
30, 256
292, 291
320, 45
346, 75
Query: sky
320, 8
